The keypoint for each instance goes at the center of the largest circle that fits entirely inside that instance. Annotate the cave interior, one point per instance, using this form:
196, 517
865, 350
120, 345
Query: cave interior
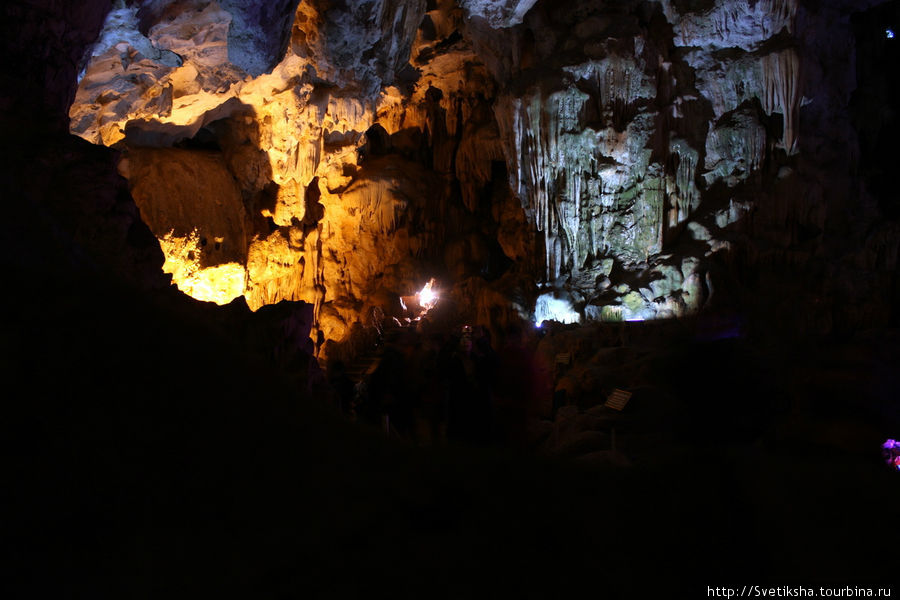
331, 297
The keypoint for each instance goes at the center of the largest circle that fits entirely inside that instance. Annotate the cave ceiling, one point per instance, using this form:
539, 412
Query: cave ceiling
531, 155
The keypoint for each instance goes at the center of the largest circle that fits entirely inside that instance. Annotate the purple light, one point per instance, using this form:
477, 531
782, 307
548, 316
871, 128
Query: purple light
891, 453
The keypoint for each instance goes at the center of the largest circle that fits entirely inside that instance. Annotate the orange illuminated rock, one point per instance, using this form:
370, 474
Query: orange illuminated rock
379, 142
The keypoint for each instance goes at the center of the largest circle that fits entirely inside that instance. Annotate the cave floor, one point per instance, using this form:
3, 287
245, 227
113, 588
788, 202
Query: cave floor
158, 459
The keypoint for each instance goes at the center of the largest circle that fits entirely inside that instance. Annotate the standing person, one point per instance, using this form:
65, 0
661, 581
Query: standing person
523, 385
461, 380
341, 384
486, 367
428, 394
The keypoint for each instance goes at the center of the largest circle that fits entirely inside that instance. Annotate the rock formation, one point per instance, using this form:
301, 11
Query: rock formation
154, 443
342, 154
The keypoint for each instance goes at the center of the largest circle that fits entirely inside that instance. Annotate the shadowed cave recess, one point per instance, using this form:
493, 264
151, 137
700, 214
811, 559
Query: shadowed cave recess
462, 225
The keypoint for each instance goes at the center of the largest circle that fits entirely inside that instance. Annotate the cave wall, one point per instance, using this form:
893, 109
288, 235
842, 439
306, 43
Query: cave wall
143, 421
630, 160
89, 266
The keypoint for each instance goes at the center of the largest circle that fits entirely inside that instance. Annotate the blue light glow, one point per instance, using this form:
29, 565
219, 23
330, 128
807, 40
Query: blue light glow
548, 308
889, 33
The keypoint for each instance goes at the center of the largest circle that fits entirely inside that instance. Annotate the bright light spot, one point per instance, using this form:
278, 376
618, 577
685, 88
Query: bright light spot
427, 296
220, 283
548, 308
889, 33
635, 320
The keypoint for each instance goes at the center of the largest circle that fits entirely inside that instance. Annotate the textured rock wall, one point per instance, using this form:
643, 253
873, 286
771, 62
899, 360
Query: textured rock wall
624, 156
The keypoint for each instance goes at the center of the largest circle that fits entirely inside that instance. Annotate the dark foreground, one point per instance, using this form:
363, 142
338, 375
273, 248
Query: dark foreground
153, 457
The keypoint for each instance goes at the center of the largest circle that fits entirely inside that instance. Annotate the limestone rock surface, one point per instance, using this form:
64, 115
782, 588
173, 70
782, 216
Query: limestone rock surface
617, 154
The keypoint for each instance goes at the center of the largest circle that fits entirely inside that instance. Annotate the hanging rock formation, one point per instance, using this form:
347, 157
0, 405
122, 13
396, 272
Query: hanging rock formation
343, 153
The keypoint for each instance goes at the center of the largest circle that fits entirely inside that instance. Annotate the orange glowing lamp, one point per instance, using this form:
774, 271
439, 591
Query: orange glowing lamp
427, 296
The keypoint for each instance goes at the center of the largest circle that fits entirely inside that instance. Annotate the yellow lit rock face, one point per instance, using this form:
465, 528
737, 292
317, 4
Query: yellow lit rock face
220, 283
277, 270
281, 209
175, 188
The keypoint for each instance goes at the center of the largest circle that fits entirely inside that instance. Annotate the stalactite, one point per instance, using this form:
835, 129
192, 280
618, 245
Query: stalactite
734, 24
783, 13
735, 148
754, 149
781, 73
581, 187
684, 195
